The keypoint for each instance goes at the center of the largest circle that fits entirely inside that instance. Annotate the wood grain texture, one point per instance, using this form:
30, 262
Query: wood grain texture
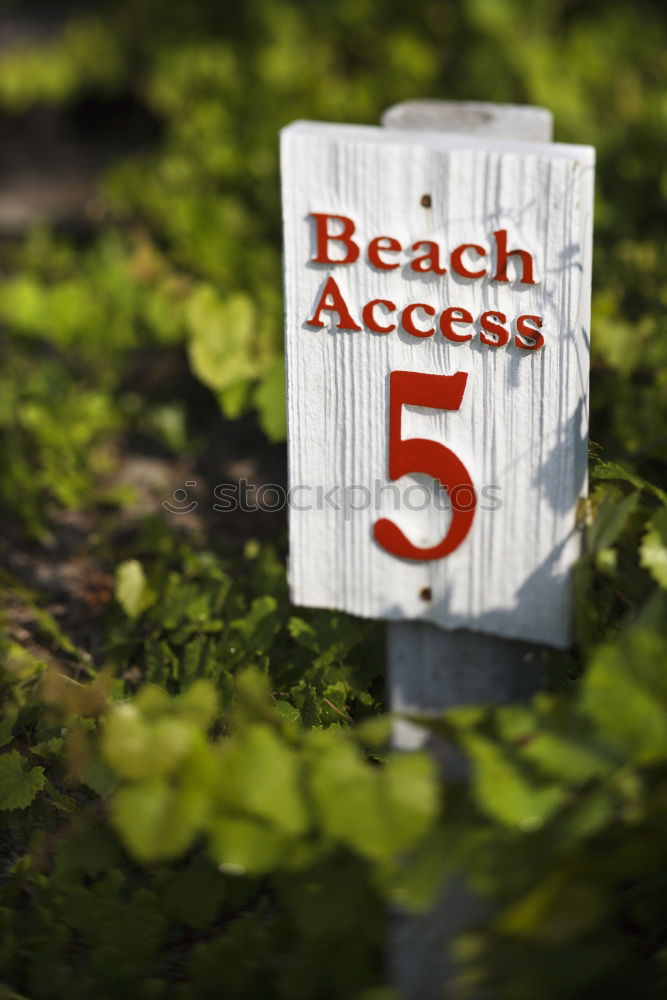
430, 669
522, 427
503, 121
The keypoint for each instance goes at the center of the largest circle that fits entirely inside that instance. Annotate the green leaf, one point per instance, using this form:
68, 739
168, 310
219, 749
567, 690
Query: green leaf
244, 845
259, 623
560, 743
287, 713
19, 784
505, 792
269, 398
158, 821
612, 516
48, 748
625, 693
587, 815
260, 776
377, 811
410, 793
252, 694
345, 795
132, 590
414, 881
223, 345
136, 748
199, 703
59, 799
568, 759
653, 549
302, 631
91, 850
374, 732
50, 627
611, 470
99, 777
7, 723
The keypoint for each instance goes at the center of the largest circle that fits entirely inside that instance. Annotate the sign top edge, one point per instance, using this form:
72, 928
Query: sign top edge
437, 139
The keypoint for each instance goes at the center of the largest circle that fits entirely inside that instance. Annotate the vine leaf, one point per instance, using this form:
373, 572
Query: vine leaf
18, 785
132, 590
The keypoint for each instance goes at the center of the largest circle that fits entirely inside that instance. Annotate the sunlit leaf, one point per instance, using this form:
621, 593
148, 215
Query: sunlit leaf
132, 589
653, 550
625, 692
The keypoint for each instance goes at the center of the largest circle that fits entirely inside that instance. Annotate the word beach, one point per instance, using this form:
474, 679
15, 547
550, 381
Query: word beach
454, 323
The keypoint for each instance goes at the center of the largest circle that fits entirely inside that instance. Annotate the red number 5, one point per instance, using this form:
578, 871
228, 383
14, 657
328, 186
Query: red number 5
409, 455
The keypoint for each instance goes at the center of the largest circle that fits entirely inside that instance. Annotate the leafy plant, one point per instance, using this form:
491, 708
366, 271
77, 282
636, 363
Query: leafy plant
197, 793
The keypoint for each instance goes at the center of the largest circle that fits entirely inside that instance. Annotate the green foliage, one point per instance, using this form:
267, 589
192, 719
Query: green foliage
197, 798
653, 552
228, 808
132, 591
18, 785
184, 245
264, 797
588, 863
86, 55
200, 621
227, 349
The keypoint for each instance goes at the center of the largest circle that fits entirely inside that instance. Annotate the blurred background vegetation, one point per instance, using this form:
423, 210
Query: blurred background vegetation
197, 797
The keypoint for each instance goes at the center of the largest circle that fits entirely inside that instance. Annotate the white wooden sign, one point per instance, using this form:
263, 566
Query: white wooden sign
437, 330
